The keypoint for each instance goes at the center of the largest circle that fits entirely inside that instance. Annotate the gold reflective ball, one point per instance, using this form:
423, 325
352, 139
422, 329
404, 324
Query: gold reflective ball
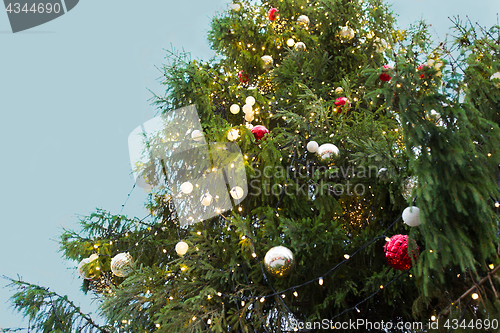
279, 261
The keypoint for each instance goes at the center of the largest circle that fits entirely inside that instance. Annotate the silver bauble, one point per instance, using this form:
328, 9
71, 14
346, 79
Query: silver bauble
303, 20
408, 186
328, 150
268, 62
279, 261
122, 264
299, 46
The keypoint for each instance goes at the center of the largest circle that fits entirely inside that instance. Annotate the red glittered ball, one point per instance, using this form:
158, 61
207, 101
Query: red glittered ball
396, 252
273, 14
343, 102
259, 131
242, 77
385, 76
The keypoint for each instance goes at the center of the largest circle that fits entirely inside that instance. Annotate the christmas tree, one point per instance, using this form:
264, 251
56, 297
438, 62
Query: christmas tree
340, 171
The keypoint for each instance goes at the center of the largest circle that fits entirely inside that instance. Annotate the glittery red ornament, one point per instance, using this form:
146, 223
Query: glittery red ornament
259, 131
242, 77
385, 76
421, 67
396, 252
273, 14
343, 102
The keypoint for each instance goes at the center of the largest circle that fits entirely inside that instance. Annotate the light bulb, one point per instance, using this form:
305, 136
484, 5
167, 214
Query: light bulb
290, 42
206, 199
235, 108
247, 108
250, 100
181, 248
186, 187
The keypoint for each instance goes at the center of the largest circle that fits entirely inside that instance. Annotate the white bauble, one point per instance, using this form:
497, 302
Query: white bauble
235, 108
247, 108
237, 192
250, 100
186, 187
346, 33
290, 42
206, 199
312, 146
81, 271
122, 264
300, 46
268, 61
181, 248
303, 20
497, 77
249, 116
327, 150
196, 135
411, 216
233, 134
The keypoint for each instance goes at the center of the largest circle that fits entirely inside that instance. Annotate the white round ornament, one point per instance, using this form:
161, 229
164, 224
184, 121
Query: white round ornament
303, 20
411, 216
290, 42
268, 61
234, 6
279, 261
346, 33
250, 100
237, 192
327, 151
300, 46
186, 187
181, 248
122, 264
249, 116
312, 146
206, 199
247, 108
235, 108
233, 134
196, 135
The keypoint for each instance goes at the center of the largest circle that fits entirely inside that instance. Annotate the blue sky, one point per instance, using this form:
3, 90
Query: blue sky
71, 92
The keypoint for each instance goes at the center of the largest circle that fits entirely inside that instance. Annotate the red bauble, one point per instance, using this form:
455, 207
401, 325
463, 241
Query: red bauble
343, 102
421, 67
242, 77
273, 14
259, 131
396, 252
384, 76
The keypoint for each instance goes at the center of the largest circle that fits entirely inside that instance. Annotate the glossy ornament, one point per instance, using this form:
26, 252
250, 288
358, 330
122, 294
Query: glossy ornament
181, 248
259, 131
339, 90
303, 20
300, 47
328, 150
196, 135
206, 199
233, 134
87, 270
409, 184
249, 116
242, 77
279, 261
234, 109
342, 103
312, 146
396, 252
380, 45
247, 108
273, 14
122, 265
237, 192
290, 42
346, 33
186, 187
386, 69
268, 62
411, 216
250, 100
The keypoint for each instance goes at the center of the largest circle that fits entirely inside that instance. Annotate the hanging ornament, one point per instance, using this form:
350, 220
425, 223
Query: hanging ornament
496, 77
386, 69
233, 134
247, 108
421, 68
235, 109
411, 216
279, 261
234, 6
380, 45
343, 103
339, 90
122, 264
273, 14
181, 248
290, 42
250, 100
303, 20
259, 131
206, 199
396, 252
237, 192
312, 146
300, 47
383, 174
328, 150
242, 77
346, 33
249, 116
87, 270
186, 187
409, 184
249, 126
268, 62
196, 135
